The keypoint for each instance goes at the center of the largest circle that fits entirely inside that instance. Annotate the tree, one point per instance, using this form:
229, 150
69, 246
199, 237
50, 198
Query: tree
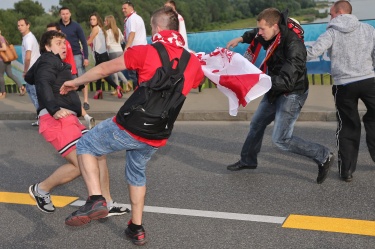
8, 24
28, 8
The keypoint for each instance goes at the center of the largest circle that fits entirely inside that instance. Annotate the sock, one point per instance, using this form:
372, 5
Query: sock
134, 227
87, 117
95, 197
109, 203
41, 191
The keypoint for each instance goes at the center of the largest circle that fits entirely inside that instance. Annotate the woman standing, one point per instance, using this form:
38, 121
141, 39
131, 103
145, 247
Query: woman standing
114, 39
7, 68
97, 40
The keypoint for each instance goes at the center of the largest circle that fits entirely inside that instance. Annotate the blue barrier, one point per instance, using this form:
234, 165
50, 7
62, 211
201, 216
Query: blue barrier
208, 41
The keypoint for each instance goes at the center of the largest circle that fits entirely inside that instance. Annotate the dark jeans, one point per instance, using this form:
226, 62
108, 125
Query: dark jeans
284, 112
100, 58
348, 131
134, 77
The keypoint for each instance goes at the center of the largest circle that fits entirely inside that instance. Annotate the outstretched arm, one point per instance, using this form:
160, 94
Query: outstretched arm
233, 43
100, 71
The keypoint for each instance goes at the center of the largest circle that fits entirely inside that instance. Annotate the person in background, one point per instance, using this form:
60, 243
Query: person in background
286, 63
98, 41
59, 123
181, 22
114, 40
351, 47
77, 39
30, 53
134, 33
70, 60
109, 136
6, 67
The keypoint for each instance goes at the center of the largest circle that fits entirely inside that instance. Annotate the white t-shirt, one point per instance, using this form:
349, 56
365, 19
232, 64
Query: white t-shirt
113, 45
182, 30
135, 24
29, 43
99, 42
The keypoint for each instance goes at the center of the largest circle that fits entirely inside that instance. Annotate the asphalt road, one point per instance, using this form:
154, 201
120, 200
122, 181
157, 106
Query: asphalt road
189, 176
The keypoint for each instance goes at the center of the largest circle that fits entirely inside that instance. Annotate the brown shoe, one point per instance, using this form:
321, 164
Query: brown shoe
22, 90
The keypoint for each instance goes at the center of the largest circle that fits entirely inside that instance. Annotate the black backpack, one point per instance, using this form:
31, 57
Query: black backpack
150, 112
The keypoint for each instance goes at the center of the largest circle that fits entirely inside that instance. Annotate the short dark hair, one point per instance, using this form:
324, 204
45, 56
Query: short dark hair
343, 5
63, 8
129, 3
47, 38
271, 16
54, 25
25, 19
171, 2
166, 18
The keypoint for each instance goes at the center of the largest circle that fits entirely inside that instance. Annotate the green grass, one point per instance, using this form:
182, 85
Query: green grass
239, 24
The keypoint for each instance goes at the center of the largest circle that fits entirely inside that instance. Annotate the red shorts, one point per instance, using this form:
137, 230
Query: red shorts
62, 133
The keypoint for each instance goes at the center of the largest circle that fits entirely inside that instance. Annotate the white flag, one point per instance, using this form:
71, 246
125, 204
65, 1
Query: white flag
234, 76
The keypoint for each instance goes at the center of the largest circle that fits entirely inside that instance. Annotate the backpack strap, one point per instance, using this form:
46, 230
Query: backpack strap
164, 57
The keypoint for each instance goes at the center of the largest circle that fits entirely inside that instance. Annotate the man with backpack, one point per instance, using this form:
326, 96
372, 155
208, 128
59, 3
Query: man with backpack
176, 75
285, 62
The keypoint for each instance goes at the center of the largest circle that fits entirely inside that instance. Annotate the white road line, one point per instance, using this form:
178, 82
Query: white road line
206, 214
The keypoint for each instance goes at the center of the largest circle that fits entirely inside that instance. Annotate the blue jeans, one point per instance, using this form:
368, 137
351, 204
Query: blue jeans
107, 137
78, 59
284, 112
31, 91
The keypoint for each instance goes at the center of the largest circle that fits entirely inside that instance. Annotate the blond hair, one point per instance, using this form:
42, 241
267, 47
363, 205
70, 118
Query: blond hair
111, 24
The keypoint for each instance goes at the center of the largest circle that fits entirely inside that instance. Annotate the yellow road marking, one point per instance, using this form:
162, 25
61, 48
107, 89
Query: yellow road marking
317, 223
22, 198
337, 225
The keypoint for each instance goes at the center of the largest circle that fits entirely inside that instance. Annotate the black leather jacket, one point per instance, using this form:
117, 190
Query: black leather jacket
48, 74
287, 65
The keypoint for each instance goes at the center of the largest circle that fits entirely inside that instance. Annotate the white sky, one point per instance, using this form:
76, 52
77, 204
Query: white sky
9, 4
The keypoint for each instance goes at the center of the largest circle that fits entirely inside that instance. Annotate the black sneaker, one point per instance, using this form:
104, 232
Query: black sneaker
138, 237
86, 106
324, 168
43, 202
117, 209
239, 166
36, 123
92, 210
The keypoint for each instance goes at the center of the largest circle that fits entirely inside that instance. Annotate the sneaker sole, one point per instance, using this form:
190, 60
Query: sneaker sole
135, 242
76, 221
116, 214
33, 196
241, 168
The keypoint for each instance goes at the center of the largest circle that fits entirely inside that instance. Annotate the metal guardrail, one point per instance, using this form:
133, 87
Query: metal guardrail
315, 79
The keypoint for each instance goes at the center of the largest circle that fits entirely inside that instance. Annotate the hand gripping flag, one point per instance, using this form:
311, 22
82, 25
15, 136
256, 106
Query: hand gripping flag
234, 76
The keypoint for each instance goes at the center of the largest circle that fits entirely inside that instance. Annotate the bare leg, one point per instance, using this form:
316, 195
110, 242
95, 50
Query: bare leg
104, 178
83, 112
85, 91
95, 174
89, 166
63, 174
137, 200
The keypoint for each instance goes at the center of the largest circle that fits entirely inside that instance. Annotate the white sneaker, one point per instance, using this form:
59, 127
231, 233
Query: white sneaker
36, 123
90, 122
117, 209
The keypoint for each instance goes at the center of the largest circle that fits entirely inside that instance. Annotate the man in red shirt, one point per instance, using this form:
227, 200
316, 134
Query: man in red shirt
109, 136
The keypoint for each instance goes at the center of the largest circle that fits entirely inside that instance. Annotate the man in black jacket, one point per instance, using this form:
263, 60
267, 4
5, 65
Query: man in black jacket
285, 62
58, 117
